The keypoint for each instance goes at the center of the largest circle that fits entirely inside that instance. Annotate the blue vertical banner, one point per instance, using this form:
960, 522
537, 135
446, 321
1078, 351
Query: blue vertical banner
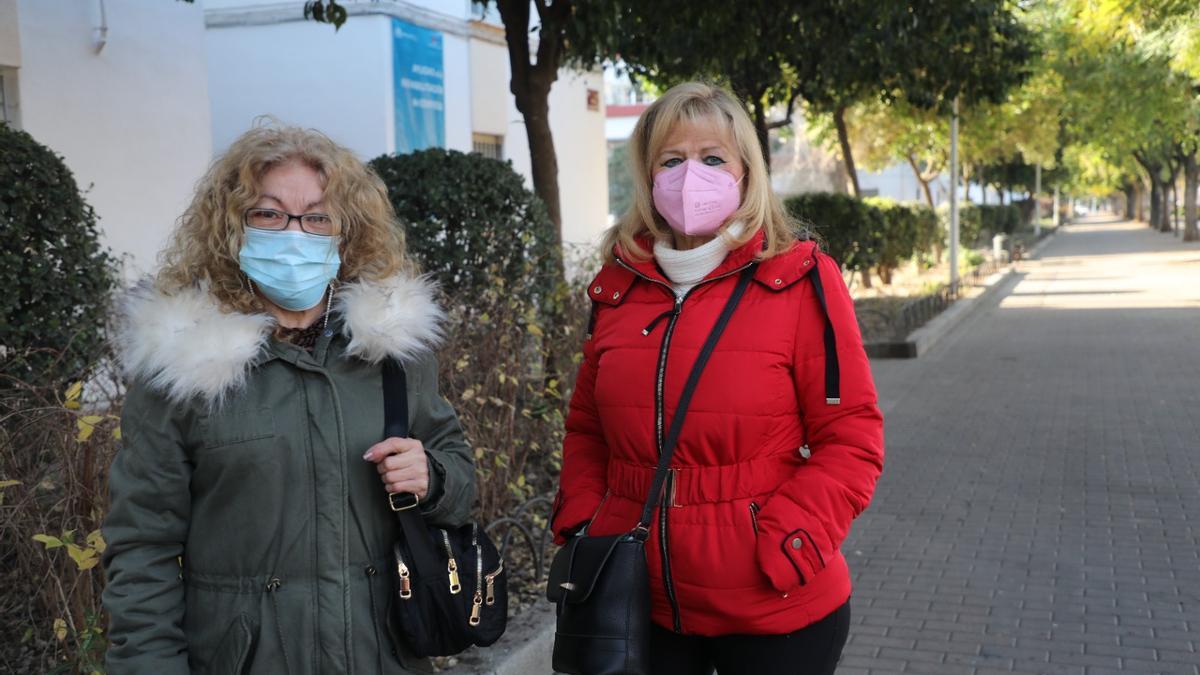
419, 90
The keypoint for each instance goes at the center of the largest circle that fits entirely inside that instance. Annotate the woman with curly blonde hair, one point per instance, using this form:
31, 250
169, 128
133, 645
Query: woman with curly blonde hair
250, 529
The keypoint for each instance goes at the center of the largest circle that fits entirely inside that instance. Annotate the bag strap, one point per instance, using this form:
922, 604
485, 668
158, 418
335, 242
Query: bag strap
685, 399
395, 425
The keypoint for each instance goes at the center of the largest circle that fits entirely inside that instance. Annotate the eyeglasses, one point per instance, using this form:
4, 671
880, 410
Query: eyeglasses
270, 219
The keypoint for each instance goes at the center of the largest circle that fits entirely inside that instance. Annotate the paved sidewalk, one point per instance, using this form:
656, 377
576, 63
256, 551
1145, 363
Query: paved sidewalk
1040, 507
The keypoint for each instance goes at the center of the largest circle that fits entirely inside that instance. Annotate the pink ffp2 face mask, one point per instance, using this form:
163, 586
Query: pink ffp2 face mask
695, 199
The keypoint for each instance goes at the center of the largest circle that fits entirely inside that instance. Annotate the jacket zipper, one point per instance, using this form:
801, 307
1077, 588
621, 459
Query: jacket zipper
659, 415
754, 516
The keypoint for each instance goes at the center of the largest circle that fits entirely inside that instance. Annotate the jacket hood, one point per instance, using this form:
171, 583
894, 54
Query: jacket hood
184, 345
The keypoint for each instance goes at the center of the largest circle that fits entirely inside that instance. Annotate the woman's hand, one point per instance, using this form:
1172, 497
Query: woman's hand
402, 464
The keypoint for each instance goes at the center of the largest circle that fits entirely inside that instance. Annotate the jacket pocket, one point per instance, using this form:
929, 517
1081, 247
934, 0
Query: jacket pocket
236, 426
232, 655
754, 508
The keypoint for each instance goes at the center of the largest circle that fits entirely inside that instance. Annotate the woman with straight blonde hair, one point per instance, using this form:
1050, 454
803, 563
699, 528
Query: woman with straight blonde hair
250, 528
783, 439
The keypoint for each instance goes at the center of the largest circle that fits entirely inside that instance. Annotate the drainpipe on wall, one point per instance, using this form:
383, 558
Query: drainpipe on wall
101, 31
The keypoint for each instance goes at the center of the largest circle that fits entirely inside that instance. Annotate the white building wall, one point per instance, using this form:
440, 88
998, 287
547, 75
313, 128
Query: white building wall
348, 74
10, 37
304, 73
456, 57
582, 150
131, 120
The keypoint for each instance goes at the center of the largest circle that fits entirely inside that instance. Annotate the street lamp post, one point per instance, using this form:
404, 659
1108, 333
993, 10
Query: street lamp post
1037, 201
954, 199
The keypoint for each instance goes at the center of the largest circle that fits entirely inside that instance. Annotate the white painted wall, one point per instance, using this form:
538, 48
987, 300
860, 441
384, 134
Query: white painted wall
582, 154
489, 88
349, 74
456, 58
306, 74
131, 121
10, 37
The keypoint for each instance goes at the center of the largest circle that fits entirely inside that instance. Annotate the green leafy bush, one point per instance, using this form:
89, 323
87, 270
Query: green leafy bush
469, 220
57, 278
971, 223
898, 235
930, 235
848, 228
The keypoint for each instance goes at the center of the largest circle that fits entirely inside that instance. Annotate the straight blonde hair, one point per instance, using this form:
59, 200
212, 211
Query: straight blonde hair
694, 102
204, 246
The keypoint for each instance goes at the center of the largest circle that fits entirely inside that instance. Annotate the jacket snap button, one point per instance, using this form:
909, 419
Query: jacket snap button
616, 295
797, 543
807, 263
778, 282
370, 570
597, 290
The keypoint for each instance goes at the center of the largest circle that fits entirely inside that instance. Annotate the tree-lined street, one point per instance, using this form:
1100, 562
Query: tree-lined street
1038, 511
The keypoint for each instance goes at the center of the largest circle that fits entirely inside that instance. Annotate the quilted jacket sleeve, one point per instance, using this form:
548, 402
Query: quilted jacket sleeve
804, 523
585, 455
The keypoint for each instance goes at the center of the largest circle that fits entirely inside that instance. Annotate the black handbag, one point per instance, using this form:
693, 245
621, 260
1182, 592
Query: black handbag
600, 585
450, 587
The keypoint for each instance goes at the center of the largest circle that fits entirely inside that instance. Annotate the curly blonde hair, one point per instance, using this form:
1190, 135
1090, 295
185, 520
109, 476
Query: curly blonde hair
204, 246
696, 101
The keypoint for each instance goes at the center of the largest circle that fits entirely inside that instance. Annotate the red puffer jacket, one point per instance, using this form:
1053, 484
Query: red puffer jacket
781, 449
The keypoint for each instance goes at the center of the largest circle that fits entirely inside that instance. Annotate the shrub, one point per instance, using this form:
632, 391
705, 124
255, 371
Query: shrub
514, 330
970, 223
930, 235
54, 459
848, 228
898, 235
57, 279
469, 220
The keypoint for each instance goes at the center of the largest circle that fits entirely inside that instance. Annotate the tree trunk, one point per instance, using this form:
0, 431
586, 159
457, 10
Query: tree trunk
885, 274
1191, 181
839, 120
912, 162
530, 85
764, 136
1155, 203
1130, 196
1164, 193
543, 158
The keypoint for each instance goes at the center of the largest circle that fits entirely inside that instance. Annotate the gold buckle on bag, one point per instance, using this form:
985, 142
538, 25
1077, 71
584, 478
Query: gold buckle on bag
397, 500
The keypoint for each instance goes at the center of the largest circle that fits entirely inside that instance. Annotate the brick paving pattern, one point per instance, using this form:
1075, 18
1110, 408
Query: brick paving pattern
1040, 507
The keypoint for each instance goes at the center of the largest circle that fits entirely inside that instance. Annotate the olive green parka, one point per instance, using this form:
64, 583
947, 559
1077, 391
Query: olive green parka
247, 534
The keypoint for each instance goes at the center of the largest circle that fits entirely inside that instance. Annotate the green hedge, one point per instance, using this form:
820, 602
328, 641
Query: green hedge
873, 232
57, 278
978, 222
848, 229
470, 221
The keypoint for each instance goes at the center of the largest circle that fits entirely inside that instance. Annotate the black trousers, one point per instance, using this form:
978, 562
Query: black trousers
812, 650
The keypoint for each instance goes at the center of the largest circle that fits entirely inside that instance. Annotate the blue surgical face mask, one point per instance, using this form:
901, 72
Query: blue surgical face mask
291, 268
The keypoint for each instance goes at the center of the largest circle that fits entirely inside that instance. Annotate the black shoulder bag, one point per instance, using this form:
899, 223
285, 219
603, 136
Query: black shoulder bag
600, 585
450, 590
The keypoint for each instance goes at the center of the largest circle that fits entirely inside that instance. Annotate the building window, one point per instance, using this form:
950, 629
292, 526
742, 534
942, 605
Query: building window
488, 145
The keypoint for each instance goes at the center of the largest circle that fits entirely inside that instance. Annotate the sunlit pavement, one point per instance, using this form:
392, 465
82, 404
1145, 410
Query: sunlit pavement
1040, 507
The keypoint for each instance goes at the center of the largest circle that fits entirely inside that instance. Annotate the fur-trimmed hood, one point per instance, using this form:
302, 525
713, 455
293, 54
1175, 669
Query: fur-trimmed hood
184, 345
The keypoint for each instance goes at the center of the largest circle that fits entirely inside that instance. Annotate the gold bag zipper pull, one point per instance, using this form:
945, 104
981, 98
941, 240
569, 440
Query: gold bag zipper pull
455, 584
491, 585
405, 581
476, 608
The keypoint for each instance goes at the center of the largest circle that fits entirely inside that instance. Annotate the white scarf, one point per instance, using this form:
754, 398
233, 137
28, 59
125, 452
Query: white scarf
687, 268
